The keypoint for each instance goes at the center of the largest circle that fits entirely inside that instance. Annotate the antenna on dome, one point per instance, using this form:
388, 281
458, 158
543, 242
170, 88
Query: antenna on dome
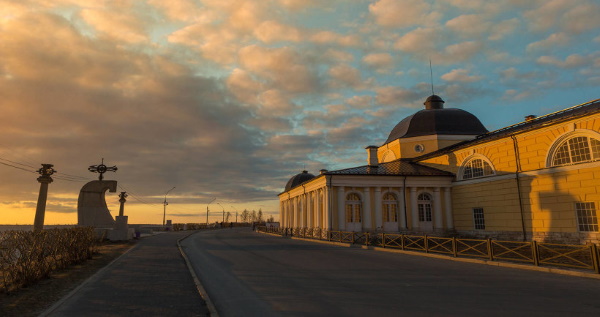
431, 76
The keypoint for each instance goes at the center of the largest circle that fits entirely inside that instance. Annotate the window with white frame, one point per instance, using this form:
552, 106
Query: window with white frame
577, 149
424, 207
476, 167
390, 208
478, 219
353, 210
586, 216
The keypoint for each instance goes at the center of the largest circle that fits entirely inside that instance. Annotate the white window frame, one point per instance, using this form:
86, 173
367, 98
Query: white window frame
478, 218
386, 204
558, 142
353, 208
469, 160
586, 216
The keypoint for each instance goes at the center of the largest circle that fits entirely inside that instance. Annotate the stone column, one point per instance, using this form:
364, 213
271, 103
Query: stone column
414, 208
448, 198
40, 210
402, 209
319, 209
341, 200
378, 216
327, 213
293, 209
366, 221
437, 210
309, 210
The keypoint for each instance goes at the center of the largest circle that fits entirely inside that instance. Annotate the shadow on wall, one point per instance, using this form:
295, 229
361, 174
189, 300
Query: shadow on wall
554, 218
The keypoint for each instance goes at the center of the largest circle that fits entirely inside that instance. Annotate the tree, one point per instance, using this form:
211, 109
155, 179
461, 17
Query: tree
271, 219
245, 215
259, 217
227, 215
253, 216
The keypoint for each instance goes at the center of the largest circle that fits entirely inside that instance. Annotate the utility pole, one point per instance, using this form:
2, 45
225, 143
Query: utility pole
40, 212
223, 211
165, 203
207, 210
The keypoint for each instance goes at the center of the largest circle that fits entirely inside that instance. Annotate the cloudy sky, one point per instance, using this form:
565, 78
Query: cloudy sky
230, 98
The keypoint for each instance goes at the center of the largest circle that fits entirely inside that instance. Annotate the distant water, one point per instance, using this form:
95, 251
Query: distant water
30, 227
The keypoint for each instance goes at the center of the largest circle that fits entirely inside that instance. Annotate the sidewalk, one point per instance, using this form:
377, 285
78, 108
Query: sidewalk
152, 279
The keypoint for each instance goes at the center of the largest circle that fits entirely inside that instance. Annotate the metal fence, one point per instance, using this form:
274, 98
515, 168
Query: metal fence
586, 257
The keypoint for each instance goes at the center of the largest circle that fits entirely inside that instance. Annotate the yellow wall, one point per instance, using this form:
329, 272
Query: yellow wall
548, 194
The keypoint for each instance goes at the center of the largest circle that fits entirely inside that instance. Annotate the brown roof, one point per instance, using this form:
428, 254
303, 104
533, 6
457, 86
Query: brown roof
394, 168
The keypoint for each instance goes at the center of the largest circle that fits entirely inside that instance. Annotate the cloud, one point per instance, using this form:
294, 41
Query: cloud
402, 13
345, 76
382, 62
572, 61
397, 96
460, 75
280, 67
554, 40
272, 31
564, 15
121, 26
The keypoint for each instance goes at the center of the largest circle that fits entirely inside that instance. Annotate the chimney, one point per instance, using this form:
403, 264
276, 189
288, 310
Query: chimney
372, 159
530, 117
323, 171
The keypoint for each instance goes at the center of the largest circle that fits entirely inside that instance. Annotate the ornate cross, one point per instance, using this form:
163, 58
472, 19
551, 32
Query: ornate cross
101, 169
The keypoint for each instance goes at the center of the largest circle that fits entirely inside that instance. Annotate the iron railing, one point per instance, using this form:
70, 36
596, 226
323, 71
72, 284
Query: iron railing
586, 257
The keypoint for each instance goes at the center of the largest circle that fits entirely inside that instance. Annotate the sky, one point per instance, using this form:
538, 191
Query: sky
228, 99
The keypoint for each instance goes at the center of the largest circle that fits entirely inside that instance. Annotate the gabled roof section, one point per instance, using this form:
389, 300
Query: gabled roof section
394, 168
574, 112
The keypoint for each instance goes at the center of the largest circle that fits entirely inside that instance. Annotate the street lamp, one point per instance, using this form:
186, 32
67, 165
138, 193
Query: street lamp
45, 172
165, 205
207, 210
236, 213
223, 211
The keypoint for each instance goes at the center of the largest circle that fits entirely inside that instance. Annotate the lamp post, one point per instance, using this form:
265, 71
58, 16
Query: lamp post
236, 213
165, 205
207, 210
46, 171
223, 211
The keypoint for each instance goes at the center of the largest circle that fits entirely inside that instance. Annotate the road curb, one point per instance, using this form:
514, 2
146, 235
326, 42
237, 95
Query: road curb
212, 310
467, 260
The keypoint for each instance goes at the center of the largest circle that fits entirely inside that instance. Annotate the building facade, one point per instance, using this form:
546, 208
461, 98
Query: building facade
441, 172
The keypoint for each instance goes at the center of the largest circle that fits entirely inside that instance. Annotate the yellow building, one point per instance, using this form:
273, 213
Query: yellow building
441, 172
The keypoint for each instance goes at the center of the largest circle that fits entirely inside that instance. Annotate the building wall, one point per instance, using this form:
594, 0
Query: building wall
548, 194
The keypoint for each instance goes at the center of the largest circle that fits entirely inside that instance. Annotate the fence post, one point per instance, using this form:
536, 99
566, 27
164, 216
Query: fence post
383, 240
534, 252
454, 247
402, 242
426, 245
595, 258
490, 247
367, 239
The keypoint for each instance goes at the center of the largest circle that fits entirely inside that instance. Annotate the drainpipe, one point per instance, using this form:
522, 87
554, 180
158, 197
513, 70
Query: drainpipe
404, 200
518, 160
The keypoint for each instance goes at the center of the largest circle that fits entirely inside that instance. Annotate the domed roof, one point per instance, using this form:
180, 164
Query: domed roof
298, 179
434, 119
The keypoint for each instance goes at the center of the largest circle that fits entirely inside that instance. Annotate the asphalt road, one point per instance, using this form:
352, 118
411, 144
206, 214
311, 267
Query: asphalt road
251, 274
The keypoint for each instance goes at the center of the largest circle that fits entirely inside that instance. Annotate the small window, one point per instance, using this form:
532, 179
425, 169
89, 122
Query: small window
579, 149
477, 168
478, 219
586, 216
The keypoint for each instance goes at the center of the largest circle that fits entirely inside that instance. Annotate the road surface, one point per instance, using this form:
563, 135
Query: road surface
252, 274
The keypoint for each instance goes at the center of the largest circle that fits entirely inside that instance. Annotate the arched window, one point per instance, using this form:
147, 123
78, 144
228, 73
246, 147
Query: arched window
576, 149
353, 211
476, 167
390, 208
424, 204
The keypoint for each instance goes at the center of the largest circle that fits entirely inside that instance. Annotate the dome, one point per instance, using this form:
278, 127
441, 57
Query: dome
298, 179
434, 119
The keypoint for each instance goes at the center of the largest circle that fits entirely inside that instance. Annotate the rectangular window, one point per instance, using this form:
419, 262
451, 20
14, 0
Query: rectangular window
478, 220
586, 216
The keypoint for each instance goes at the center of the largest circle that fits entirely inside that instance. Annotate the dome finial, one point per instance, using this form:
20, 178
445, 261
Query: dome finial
434, 102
